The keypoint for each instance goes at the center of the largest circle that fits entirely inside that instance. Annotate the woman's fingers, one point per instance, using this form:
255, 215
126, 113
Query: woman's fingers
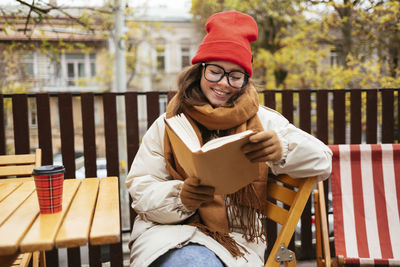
201, 190
193, 195
263, 146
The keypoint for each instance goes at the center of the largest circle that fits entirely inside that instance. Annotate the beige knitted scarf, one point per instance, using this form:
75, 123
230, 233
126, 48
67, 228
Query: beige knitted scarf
245, 204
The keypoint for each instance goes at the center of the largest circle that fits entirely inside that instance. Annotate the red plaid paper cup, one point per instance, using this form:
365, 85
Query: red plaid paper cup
49, 180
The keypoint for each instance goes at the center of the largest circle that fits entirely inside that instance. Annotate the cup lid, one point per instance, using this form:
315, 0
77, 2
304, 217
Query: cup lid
48, 169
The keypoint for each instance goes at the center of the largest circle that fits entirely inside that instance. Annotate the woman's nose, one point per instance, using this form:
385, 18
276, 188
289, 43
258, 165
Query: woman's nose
224, 81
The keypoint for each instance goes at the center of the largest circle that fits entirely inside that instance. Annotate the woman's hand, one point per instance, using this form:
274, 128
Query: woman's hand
263, 146
193, 195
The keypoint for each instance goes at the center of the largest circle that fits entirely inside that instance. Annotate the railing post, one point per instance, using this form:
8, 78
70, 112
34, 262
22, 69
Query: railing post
355, 116
44, 127
305, 125
132, 138
269, 99
67, 133
21, 123
89, 134
2, 127
287, 105
153, 107
339, 117
372, 112
322, 115
111, 138
387, 115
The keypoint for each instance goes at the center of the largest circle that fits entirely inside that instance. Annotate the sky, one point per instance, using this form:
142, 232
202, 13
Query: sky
147, 8
176, 4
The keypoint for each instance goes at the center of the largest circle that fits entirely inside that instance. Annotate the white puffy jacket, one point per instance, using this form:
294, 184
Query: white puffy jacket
160, 211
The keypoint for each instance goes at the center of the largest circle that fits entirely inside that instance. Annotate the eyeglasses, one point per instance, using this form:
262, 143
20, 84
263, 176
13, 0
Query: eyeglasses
215, 73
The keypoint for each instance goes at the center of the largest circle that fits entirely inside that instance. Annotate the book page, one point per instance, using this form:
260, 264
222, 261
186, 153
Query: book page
217, 142
182, 128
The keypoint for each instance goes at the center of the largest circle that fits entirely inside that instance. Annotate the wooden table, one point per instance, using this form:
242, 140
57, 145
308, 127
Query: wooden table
90, 214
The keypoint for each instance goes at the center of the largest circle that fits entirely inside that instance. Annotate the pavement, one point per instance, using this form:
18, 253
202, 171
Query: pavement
310, 263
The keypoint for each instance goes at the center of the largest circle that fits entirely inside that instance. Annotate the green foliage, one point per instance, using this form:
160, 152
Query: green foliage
104, 77
296, 41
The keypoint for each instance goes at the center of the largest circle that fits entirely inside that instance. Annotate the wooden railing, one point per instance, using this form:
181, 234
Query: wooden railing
333, 116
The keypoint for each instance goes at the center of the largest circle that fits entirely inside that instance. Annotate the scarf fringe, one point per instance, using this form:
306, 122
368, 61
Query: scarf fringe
244, 205
224, 239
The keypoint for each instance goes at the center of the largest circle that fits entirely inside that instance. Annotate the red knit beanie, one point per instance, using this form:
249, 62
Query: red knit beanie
228, 38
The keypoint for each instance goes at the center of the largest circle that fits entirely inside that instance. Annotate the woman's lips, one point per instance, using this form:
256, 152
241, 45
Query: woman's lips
219, 92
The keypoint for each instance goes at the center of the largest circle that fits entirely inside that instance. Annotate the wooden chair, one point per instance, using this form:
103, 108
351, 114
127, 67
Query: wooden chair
20, 167
294, 194
365, 183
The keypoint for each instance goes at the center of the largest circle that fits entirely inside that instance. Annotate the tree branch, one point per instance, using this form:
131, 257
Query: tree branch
34, 8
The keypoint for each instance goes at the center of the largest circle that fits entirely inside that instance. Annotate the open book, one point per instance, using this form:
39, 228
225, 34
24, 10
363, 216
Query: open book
219, 163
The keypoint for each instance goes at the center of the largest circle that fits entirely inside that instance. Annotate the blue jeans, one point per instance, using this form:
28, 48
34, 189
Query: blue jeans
191, 255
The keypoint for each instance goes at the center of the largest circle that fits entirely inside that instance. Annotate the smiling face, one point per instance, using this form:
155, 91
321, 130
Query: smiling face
219, 93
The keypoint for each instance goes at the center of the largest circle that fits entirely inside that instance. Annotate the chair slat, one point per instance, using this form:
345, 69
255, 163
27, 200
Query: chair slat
275, 213
106, 223
20, 165
17, 170
286, 179
17, 159
75, 229
43, 231
9, 260
23, 259
281, 193
292, 218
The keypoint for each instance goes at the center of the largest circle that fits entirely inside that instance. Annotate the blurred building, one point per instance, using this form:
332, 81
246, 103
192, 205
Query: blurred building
56, 53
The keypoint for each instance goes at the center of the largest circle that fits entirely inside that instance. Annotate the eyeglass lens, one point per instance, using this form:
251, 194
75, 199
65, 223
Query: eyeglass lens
214, 73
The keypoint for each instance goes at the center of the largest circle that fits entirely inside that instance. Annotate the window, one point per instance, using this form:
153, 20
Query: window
160, 55
32, 112
79, 66
27, 65
92, 62
75, 67
185, 53
334, 58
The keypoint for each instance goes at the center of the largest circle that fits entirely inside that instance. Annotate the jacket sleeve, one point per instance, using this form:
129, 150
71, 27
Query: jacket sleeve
303, 154
155, 195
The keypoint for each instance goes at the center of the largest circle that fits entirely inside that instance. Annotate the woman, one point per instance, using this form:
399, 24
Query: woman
181, 223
